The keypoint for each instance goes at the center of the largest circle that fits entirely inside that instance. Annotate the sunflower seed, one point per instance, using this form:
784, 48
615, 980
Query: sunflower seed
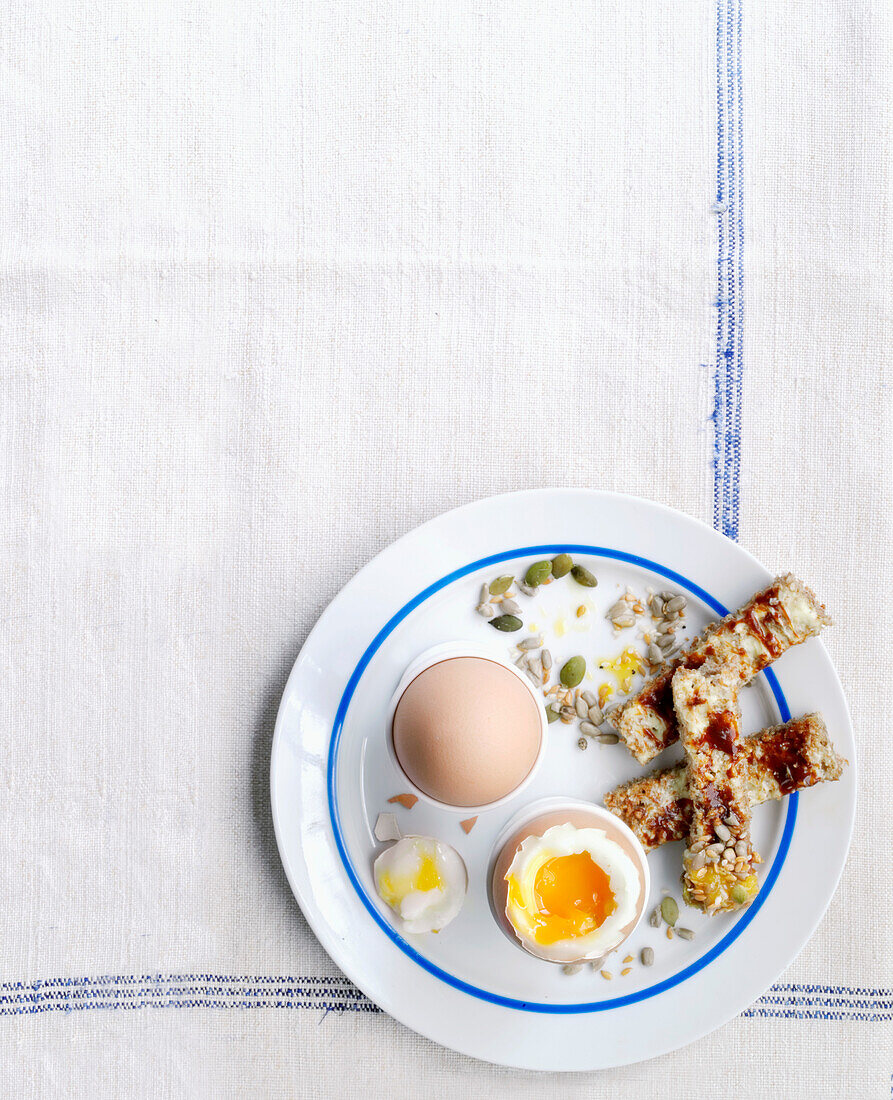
623, 621
531, 643
597, 964
722, 831
511, 607
546, 658
568, 714
654, 919
732, 821
486, 610
588, 729
697, 862
595, 715
657, 606
676, 604
619, 608
647, 956
581, 708
523, 661
533, 678
607, 738
485, 593
665, 642
526, 589
582, 743
741, 849
589, 697
685, 933
571, 968
654, 655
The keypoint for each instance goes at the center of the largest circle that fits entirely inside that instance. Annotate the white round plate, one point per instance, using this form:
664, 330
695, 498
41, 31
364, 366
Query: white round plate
469, 987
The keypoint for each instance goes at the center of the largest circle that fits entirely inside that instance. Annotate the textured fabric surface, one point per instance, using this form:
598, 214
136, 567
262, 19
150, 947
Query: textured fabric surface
281, 281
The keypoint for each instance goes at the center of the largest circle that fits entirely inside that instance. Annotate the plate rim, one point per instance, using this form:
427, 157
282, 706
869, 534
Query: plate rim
386, 998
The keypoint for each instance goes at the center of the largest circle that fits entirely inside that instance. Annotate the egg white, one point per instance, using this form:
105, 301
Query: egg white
564, 840
397, 872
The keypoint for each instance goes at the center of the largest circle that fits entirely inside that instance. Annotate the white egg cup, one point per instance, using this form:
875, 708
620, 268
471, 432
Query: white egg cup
615, 829
445, 652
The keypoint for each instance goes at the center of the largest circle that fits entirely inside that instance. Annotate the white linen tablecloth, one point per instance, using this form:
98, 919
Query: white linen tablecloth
282, 280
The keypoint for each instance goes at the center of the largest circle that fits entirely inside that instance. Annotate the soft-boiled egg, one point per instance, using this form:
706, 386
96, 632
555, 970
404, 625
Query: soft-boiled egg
572, 892
423, 880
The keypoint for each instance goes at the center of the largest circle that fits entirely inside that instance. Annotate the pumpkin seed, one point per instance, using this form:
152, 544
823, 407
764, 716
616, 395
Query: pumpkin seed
500, 586
486, 610
685, 933
551, 715
573, 671
607, 738
582, 576
669, 910
647, 956
538, 572
739, 894
562, 565
531, 643
506, 622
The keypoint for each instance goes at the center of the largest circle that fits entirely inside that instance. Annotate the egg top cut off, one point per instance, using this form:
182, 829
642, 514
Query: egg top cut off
572, 893
423, 880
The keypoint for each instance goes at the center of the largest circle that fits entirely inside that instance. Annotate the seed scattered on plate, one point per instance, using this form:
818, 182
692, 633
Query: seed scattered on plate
546, 658
552, 715
669, 933
509, 607
538, 573
581, 611
626, 970
530, 643
506, 623
685, 933
581, 708
607, 738
526, 589
499, 587
669, 910
589, 729
468, 824
583, 576
654, 919
590, 698
572, 968
573, 671
582, 743
606, 974
486, 610
647, 956
628, 959
562, 565
407, 801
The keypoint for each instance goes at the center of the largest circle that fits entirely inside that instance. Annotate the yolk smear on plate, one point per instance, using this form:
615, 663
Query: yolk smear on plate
624, 668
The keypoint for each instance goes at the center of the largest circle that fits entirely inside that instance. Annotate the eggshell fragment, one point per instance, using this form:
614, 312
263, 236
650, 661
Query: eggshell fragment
407, 801
386, 828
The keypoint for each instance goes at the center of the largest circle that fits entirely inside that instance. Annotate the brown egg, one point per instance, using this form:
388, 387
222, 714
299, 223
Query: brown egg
467, 731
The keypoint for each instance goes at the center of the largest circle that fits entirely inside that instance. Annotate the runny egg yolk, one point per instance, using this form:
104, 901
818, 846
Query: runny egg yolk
573, 896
